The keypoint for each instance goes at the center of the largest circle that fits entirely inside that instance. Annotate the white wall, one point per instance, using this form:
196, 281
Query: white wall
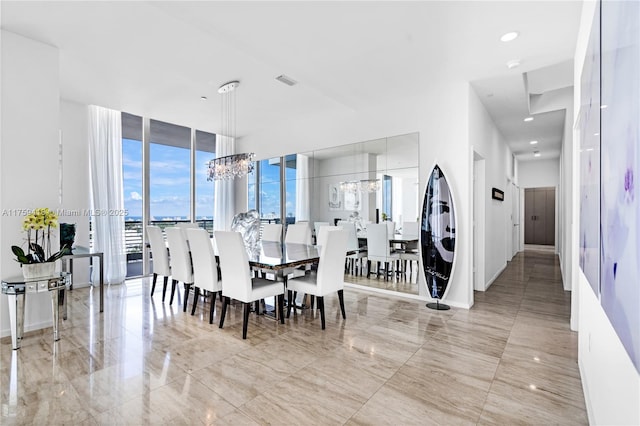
30, 123
610, 382
75, 186
538, 174
489, 143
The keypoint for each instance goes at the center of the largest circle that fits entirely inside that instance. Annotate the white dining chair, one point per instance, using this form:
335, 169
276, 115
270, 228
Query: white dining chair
327, 279
355, 259
378, 248
316, 228
238, 282
160, 257
187, 225
298, 233
391, 228
205, 267
272, 232
321, 233
180, 258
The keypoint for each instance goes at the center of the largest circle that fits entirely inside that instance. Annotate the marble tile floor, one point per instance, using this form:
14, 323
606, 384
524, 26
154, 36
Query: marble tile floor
511, 359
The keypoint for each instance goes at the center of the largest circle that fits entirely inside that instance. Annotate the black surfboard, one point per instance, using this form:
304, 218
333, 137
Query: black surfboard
438, 236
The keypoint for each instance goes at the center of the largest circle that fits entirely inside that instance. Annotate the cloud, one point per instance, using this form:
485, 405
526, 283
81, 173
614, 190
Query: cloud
135, 196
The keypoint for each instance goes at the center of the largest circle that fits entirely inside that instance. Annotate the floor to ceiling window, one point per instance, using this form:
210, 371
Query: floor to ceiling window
268, 195
264, 189
132, 185
169, 172
205, 151
178, 186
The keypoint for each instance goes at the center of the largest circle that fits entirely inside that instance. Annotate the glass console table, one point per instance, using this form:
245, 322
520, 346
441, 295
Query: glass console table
84, 252
16, 288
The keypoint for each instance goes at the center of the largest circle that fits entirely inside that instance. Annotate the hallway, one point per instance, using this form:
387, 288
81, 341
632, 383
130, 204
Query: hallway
511, 359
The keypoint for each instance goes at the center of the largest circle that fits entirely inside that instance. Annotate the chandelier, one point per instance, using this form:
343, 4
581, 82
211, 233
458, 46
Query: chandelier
234, 165
230, 167
355, 186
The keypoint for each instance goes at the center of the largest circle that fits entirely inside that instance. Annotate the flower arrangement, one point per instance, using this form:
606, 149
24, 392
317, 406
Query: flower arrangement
38, 226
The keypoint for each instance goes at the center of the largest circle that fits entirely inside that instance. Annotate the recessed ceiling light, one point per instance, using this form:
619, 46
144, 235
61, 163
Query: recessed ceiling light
510, 36
514, 63
596, 134
203, 98
603, 106
528, 119
589, 149
533, 142
536, 153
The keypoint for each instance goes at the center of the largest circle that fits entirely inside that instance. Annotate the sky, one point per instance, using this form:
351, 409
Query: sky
169, 181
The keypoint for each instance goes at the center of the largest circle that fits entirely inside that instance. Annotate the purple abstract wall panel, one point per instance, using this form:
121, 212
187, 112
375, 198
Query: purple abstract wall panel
620, 166
590, 159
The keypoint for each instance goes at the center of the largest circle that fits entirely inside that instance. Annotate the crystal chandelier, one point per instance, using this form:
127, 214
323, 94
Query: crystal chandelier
349, 186
370, 185
235, 165
365, 185
230, 167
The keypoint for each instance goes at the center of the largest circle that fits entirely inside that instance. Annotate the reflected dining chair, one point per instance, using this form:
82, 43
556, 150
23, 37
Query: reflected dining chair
353, 245
410, 250
298, 233
271, 232
316, 228
205, 267
328, 278
378, 248
180, 259
160, 257
238, 283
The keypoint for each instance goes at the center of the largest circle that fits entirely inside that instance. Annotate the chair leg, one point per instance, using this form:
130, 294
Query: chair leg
174, 283
196, 295
341, 298
164, 287
281, 307
289, 298
225, 302
153, 284
368, 268
213, 304
313, 299
321, 308
245, 320
186, 297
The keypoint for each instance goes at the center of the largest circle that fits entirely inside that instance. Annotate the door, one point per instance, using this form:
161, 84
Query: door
539, 215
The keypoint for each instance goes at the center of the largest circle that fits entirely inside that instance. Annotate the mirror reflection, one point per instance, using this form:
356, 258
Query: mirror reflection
355, 185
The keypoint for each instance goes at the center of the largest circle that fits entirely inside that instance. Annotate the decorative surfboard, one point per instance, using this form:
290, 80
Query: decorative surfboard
438, 237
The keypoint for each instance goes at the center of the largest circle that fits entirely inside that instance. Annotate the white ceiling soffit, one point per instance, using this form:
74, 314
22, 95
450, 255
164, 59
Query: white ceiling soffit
158, 58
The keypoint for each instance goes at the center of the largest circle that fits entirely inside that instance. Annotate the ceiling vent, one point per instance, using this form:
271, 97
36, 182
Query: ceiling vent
286, 80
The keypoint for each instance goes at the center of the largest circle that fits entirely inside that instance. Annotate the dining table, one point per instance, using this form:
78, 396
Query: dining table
280, 259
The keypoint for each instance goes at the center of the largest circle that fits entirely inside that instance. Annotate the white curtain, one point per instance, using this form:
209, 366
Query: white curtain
224, 199
107, 199
302, 188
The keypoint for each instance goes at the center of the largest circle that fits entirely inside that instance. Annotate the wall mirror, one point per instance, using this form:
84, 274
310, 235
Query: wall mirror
375, 181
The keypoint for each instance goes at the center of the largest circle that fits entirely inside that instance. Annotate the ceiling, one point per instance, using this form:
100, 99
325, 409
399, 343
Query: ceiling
158, 58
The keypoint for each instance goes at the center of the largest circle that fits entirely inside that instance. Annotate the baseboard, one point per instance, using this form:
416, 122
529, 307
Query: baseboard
585, 392
29, 327
404, 295
495, 276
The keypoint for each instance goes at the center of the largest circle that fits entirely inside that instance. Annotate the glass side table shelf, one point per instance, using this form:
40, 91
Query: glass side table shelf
16, 288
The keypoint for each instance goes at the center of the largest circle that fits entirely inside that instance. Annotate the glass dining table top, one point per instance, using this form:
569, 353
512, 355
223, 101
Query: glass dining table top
274, 255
